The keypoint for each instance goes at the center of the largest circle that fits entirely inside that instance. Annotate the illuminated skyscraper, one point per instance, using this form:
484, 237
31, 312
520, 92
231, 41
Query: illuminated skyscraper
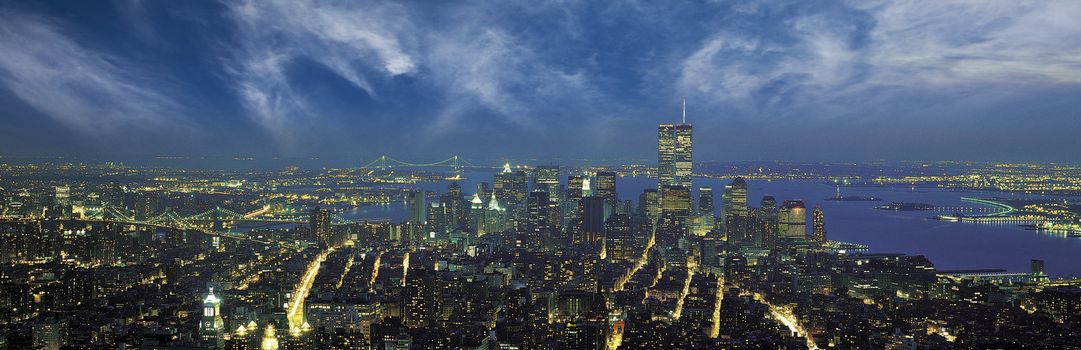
539, 228
666, 154
620, 243
818, 225
418, 207
674, 155
735, 198
606, 185
768, 218
319, 222
683, 155
793, 217
705, 201
590, 220
546, 179
735, 210
575, 187
212, 327
649, 203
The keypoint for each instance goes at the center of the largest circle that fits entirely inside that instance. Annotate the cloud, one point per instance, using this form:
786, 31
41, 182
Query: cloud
90, 91
469, 61
816, 57
348, 40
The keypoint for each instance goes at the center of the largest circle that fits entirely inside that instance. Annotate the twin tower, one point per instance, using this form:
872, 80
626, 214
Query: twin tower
674, 149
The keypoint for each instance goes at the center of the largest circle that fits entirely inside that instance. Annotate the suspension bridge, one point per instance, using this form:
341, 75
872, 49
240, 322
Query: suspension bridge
384, 162
211, 220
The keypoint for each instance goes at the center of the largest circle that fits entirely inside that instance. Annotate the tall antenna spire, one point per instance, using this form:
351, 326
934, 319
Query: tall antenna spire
684, 110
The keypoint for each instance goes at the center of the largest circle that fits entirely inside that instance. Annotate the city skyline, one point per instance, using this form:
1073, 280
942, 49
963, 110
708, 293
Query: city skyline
475, 175
796, 81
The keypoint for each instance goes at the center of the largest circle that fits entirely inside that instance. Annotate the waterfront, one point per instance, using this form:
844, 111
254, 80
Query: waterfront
949, 245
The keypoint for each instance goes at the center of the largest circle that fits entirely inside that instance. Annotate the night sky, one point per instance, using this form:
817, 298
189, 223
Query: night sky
764, 80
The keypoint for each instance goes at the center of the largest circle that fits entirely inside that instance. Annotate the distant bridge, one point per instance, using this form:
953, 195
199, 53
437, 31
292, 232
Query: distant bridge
384, 162
213, 217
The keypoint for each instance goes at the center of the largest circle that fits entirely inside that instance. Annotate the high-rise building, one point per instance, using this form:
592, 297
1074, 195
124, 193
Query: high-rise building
793, 219
735, 198
606, 185
590, 226
768, 218
818, 224
212, 327
575, 187
546, 179
319, 223
649, 204
676, 200
539, 228
705, 201
620, 243
675, 211
511, 188
49, 334
666, 154
674, 154
484, 191
683, 155
418, 207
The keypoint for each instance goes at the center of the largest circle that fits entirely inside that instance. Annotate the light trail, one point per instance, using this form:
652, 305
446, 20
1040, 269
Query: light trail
715, 327
638, 264
405, 267
295, 312
692, 266
348, 265
375, 269
786, 318
257, 212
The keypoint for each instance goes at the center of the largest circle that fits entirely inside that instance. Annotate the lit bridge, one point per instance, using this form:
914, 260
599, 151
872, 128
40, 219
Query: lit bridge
213, 217
384, 162
209, 222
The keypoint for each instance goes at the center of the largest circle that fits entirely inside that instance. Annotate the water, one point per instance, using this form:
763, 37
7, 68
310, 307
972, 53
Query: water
950, 245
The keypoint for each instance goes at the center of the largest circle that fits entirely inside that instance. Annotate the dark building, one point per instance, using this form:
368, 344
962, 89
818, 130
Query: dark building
319, 224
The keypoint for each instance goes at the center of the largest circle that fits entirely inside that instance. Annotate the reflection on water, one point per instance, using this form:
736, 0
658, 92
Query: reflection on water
949, 245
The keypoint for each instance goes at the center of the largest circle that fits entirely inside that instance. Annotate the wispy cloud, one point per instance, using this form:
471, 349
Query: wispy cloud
470, 62
839, 53
90, 91
348, 40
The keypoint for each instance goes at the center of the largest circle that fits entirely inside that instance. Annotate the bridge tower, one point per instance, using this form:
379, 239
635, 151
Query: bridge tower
216, 216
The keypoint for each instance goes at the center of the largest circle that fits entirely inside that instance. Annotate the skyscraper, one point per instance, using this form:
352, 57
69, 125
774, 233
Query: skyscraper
606, 185
546, 179
735, 210
649, 203
319, 222
590, 219
666, 154
212, 327
575, 187
735, 198
793, 217
705, 201
538, 223
674, 155
683, 155
418, 207
619, 238
768, 218
818, 225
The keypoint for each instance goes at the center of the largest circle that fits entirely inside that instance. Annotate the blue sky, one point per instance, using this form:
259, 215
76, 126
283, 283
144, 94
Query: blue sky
764, 80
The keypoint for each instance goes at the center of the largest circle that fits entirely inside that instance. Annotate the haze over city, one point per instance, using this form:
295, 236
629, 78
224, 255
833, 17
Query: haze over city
342, 80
